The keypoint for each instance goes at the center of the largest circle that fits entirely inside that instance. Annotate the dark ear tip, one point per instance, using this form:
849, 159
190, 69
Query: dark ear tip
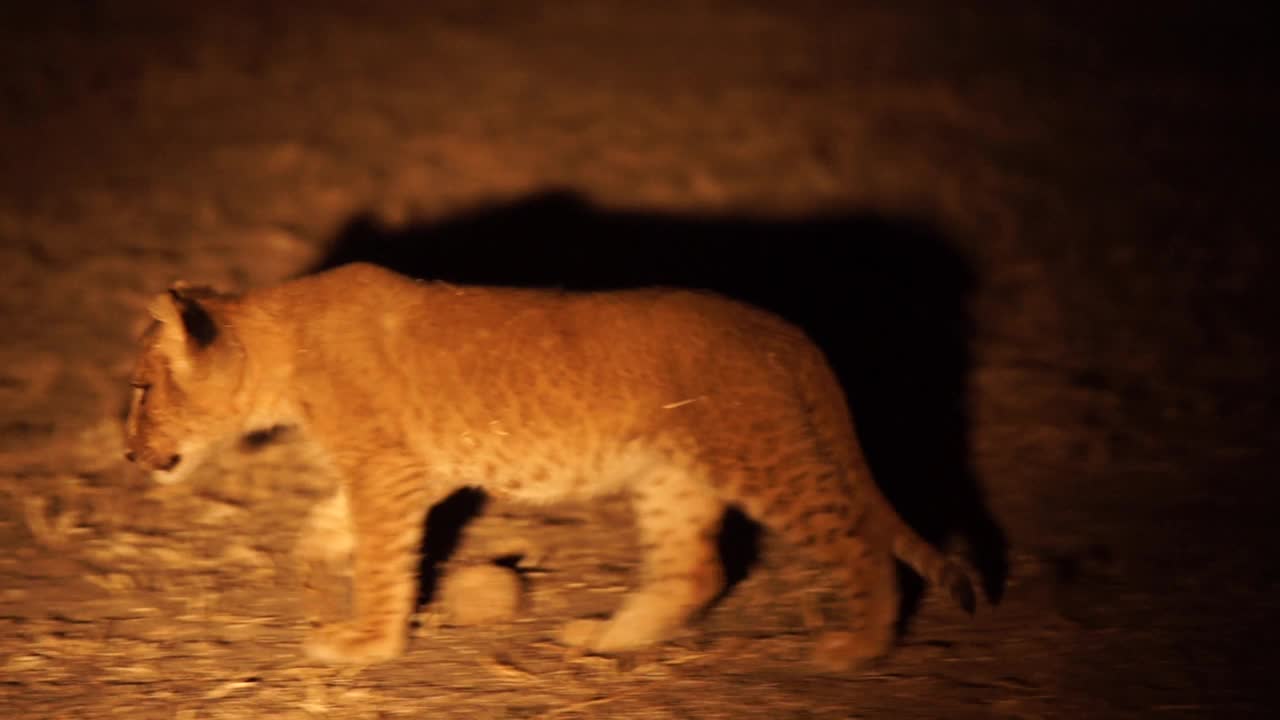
197, 322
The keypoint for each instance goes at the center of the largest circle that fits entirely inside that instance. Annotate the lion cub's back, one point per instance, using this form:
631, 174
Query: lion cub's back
490, 347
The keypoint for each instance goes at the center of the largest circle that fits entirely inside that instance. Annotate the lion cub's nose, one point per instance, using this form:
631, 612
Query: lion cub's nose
128, 455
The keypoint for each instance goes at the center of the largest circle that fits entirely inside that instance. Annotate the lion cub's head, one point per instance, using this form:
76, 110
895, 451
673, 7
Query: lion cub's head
186, 381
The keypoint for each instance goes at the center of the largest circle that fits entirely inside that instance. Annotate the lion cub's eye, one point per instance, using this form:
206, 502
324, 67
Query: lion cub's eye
139, 385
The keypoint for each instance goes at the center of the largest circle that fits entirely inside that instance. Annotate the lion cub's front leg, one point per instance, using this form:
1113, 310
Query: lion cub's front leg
388, 501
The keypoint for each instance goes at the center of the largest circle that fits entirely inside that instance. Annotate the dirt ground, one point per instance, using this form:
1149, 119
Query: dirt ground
1036, 240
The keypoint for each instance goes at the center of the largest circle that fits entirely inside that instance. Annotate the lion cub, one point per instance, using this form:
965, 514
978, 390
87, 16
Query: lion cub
684, 401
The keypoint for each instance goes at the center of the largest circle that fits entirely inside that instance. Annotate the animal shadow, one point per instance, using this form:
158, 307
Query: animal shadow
887, 298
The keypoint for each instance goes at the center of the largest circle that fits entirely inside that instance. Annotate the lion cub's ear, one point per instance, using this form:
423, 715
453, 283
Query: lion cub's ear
196, 320
187, 327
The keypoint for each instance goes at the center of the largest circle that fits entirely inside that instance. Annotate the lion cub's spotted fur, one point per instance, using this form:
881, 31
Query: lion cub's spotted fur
684, 401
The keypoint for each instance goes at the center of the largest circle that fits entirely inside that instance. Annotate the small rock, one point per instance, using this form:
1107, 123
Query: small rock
480, 594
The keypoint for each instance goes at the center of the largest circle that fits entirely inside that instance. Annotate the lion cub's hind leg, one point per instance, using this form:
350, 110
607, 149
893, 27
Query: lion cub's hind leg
678, 517
870, 586
812, 503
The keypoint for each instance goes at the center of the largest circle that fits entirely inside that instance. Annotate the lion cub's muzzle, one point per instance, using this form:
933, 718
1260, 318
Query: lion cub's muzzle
154, 461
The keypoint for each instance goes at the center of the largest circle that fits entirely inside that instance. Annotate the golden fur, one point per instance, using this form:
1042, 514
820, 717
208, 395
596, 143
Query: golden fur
684, 401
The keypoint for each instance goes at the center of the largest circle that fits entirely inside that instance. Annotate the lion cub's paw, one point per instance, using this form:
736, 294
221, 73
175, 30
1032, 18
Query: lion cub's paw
610, 636
583, 633
349, 644
845, 651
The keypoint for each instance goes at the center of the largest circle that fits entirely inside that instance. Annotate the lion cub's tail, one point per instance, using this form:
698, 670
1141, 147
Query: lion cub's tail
933, 566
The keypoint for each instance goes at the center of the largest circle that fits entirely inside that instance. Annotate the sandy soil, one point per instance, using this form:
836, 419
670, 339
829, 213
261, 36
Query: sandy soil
1034, 238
